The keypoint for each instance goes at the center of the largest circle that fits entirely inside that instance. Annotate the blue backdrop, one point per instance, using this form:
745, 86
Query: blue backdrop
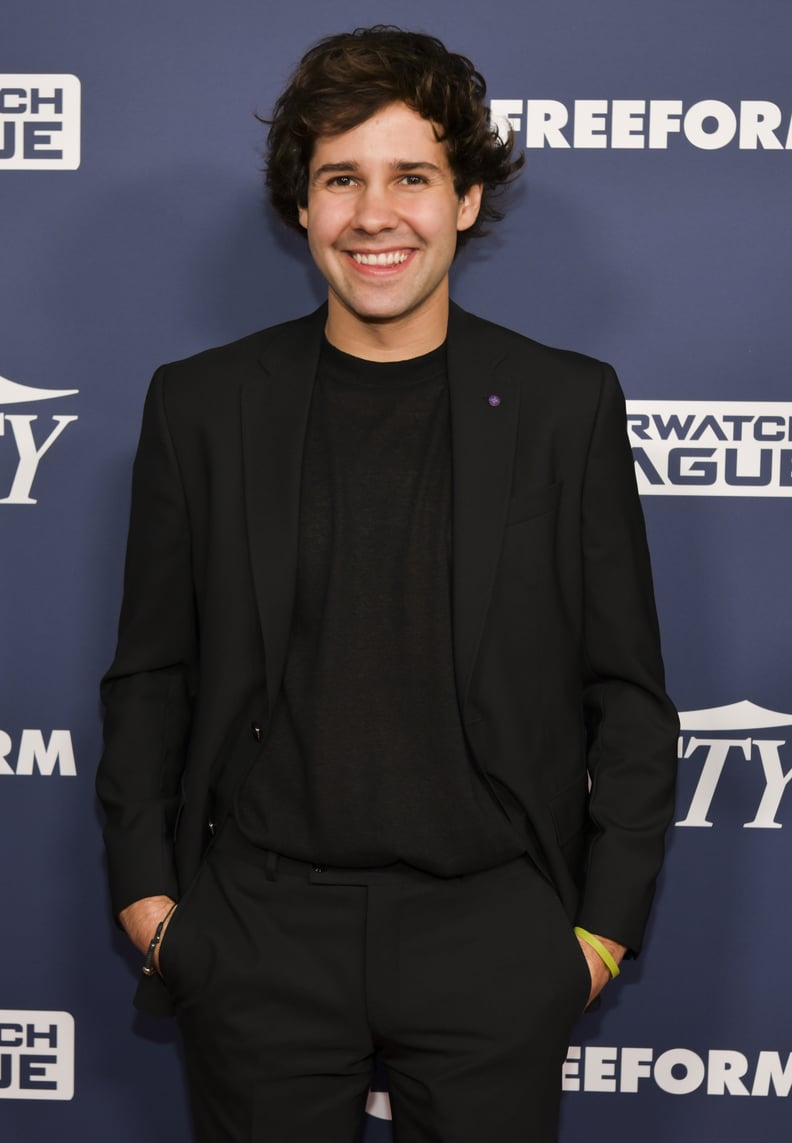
651, 228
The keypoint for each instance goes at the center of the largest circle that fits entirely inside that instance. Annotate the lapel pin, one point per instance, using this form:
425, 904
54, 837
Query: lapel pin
493, 400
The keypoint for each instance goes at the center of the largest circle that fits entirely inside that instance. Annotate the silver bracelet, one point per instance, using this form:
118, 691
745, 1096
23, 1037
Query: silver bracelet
148, 963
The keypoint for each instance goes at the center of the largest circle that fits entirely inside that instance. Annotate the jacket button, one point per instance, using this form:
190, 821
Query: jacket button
256, 731
319, 868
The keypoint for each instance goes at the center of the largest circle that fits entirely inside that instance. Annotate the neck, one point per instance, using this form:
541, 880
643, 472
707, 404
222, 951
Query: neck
388, 339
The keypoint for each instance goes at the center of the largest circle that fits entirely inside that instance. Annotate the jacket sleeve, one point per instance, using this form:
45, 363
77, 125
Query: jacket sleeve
631, 724
147, 690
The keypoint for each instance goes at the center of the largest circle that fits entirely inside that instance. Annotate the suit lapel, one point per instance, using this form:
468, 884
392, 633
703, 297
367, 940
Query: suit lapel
275, 408
484, 419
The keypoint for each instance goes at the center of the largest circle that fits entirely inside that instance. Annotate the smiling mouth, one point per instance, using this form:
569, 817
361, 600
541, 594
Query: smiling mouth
388, 258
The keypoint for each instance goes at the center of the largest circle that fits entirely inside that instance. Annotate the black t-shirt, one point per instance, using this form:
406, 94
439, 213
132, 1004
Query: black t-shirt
365, 761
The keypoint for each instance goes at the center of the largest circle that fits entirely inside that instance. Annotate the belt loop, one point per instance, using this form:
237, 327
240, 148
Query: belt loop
272, 865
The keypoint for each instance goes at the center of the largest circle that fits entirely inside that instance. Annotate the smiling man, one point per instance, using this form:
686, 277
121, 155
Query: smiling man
382, 217
388, 760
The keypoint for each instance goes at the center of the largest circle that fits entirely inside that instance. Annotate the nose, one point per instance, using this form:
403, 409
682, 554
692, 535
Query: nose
374, 210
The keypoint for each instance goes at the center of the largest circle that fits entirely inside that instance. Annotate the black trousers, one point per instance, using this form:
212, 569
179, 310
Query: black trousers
289, 979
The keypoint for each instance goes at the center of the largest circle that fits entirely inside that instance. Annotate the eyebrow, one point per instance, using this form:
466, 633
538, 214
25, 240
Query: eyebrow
402, 166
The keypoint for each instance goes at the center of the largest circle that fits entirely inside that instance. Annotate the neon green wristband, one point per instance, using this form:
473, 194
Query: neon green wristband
600, 949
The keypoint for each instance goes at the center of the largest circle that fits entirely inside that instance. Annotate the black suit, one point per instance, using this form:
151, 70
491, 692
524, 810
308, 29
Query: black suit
556, 647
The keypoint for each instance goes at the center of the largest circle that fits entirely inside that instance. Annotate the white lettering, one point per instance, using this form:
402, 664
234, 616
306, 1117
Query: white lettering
636, 1064
29, 454
570, 1070
769, 1070
725, 124
591, 117
34, 753
506, 117
759, 122
599, 1072
709, 124
677, 1071
714, 761
665, 118
627, 123
691, 1065
544, 120
724, 1073
776, 781
5, 750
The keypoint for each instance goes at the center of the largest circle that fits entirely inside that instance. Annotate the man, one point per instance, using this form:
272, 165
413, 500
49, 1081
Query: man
387, 617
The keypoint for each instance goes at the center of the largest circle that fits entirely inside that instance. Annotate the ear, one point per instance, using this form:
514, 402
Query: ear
302, 214
469, 205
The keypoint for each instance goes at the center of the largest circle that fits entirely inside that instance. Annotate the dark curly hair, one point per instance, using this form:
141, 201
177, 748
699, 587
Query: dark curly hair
345, 79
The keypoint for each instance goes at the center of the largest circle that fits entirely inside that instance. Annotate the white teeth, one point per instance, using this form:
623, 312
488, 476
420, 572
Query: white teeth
392, 258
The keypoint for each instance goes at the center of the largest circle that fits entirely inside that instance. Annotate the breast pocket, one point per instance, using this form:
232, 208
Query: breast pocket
528, 503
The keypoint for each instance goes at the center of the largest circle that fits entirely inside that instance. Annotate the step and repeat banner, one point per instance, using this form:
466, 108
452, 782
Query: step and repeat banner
651, 227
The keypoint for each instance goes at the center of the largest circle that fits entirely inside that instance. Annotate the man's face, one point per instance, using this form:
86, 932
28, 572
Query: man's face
382, 221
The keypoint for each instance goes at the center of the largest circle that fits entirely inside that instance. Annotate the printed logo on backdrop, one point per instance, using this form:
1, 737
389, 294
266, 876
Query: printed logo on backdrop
39, 122
677, 1071
36, 1055
639, 124
25, 438
37, 752
741, 760
711, 448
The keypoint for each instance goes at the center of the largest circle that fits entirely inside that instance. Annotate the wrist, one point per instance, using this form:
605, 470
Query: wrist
140, 919
151, 961
609, 952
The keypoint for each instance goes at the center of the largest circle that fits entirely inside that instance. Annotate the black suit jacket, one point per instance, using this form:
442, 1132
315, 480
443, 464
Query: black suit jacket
556, 648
